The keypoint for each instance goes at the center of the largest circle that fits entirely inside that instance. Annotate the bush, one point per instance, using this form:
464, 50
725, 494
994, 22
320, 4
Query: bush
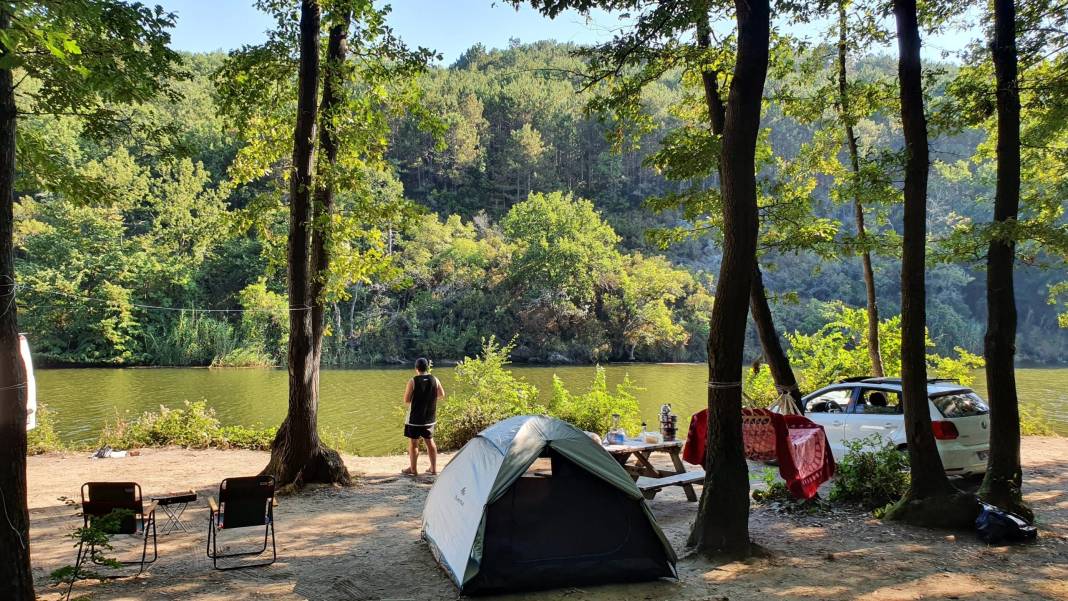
873, 474
194, 426
488, 393
1034, 421
592, 411
43, 438
774, 490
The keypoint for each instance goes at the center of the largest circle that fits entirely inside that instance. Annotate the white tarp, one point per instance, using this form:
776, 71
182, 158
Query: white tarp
31, 383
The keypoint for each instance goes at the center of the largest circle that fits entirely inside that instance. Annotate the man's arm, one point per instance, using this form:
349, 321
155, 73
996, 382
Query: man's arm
441, 391
408, 393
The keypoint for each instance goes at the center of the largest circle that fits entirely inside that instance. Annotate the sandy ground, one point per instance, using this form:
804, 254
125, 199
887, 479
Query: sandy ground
363, 542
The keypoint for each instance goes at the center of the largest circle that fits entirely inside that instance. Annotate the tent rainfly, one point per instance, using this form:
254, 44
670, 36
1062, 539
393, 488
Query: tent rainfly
494, 526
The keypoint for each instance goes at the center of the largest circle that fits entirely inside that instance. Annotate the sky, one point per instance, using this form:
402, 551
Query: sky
447, 26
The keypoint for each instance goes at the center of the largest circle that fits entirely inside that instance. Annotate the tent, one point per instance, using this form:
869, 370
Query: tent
495, 525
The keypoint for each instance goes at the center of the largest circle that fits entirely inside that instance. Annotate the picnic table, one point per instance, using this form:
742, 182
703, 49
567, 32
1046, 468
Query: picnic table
651, 479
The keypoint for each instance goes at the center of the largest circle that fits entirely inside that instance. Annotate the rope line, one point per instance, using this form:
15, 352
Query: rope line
723, 385
13, 387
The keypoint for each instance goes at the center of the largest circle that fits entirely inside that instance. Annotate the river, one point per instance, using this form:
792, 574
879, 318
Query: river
364, 404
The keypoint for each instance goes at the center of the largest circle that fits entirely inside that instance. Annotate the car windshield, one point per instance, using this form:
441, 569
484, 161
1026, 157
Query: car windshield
962, 404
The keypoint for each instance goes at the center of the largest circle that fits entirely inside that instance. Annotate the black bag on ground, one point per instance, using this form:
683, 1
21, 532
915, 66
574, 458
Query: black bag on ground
996, 527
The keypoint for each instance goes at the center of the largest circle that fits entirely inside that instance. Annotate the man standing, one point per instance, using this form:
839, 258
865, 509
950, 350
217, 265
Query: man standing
422, 396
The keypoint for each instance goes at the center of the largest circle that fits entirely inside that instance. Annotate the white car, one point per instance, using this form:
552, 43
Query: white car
859, 407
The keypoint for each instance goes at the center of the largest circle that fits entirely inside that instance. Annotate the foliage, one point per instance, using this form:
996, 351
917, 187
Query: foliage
192, 426
592, 411
1035, 421
43, 438
168, 223
96, 536
774, 490
873, 474
487, 393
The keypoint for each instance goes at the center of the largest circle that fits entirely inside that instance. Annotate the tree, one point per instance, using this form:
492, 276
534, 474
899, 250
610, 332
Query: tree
323, 253
722, 523
931, 500
1003, 481
89, 58
848, 122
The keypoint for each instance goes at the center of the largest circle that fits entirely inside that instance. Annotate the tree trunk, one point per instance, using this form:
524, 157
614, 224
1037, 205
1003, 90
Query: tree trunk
778, 362
722, 523
931, 500
1003, 480
858, 208
15, 574
297, 454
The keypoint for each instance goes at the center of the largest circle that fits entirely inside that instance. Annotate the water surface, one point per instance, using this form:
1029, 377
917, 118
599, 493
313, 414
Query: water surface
365, 404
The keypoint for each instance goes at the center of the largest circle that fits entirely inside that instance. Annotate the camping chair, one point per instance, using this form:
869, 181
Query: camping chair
243, 503
120, 503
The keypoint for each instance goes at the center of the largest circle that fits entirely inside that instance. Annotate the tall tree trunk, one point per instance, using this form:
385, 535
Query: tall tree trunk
931, 500
774, 354
858, 208
722, 523
15, 575
297, 454
1003, 480
778, 362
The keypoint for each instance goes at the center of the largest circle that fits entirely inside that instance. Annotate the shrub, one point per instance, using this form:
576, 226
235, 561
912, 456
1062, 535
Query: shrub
873, 473
43, 438
1034, 421
774, 490
592, 411
193, 426
488, 393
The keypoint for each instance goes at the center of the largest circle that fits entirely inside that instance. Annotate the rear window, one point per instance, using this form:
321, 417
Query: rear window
960, 405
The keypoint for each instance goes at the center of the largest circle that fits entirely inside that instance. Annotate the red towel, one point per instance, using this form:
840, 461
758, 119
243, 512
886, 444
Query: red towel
799, 444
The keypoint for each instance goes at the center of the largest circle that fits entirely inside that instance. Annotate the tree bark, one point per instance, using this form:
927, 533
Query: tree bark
774, 355
297, 454
15, 574
778, 362
1003, 481
858, 208
930, 500
722, 523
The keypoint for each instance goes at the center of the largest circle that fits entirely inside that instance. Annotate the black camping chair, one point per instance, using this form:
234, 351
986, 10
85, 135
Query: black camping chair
243, 503
116, 508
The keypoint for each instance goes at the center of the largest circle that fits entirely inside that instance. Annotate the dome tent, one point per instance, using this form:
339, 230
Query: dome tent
495, 527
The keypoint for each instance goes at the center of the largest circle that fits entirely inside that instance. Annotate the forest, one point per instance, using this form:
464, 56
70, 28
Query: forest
510, 205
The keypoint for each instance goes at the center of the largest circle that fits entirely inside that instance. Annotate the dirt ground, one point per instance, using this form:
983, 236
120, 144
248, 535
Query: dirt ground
363, 542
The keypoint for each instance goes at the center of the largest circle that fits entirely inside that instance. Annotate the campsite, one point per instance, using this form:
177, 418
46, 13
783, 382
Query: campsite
679, 300
364, 543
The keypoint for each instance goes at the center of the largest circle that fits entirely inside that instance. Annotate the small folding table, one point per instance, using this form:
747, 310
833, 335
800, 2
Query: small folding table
173, 505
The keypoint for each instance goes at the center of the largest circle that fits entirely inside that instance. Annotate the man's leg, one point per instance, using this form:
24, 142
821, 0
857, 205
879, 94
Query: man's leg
413, 453
432, 450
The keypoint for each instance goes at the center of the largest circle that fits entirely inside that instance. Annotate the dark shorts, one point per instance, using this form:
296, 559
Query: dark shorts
417, 432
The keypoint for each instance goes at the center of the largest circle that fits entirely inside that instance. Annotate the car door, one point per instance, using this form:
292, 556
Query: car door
876, 411
828, 408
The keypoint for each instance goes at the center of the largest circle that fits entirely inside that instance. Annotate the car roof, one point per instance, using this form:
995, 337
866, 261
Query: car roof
935, 387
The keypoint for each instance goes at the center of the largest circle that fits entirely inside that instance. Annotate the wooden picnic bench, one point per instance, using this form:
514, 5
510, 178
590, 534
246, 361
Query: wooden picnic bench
655, 479
651, 486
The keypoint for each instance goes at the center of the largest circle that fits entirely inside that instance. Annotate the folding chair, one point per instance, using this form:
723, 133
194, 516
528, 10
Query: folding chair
243, 503
135, 517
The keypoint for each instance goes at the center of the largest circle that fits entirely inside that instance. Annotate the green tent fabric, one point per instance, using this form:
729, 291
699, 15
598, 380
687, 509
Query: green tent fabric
482, 500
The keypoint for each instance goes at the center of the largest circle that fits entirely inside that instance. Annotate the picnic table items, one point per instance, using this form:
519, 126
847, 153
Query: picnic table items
643, 467
173, 506
796, 442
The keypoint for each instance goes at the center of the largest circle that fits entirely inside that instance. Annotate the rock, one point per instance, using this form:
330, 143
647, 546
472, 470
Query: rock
558, 358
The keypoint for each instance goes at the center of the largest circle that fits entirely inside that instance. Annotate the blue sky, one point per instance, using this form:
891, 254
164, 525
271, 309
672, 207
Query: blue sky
448, 26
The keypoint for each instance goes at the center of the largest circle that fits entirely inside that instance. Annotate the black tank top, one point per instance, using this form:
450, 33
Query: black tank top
424, 408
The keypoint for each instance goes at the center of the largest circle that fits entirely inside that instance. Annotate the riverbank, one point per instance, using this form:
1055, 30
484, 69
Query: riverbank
363, 542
